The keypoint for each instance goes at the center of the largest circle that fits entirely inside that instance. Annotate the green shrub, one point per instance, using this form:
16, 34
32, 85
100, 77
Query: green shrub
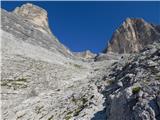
22, 79
69, 115
136, 90
15, 83
78, 110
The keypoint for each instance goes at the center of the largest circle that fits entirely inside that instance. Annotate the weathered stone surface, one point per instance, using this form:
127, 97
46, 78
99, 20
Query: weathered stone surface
138, 97
29, 32
133, 36
35, 15
42, 79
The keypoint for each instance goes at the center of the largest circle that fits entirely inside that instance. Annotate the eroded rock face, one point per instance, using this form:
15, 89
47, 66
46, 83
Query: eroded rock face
35, 15
133, 36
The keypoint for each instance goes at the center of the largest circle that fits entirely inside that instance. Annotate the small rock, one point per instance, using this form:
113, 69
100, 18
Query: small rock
119, 84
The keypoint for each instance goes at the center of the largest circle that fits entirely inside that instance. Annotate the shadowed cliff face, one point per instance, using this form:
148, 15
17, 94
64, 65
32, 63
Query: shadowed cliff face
133, 36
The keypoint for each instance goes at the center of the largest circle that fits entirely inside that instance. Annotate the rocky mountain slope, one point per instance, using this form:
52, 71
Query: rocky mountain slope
43, 80
134, 87
23, 24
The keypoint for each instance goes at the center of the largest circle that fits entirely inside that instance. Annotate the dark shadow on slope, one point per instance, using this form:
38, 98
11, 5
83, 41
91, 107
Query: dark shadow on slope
100, 115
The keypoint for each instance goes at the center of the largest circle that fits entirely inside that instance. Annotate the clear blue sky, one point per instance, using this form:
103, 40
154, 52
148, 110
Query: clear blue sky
89, 25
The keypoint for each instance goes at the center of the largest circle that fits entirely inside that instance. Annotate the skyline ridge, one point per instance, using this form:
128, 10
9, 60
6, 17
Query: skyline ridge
86, 43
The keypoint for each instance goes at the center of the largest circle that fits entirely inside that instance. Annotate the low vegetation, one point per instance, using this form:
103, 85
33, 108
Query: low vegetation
77, 66
136, 90
15, 84
81, 104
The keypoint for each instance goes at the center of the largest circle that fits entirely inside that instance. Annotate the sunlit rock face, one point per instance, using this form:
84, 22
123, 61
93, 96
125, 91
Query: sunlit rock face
132, 36
35, 15
86, 54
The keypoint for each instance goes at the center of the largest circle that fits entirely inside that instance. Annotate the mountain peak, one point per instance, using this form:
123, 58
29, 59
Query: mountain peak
34, 14
131, 22
134, 20
132, 36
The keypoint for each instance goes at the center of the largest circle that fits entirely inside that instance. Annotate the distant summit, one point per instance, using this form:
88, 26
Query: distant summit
35, 15
86, 54
132, 36
30, 23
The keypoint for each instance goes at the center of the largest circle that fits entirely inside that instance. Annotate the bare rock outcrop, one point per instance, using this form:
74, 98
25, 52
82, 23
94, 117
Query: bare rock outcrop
134, 85
133, 36
35, 15
26, 23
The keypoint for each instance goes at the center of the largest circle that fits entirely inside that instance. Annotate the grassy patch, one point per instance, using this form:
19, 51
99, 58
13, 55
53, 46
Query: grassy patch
77, 66
69, 115
81, 100
81, 104
78, 110
15, 84
21, 79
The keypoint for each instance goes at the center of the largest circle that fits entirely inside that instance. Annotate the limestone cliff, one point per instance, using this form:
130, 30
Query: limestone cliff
132, 36
35, 15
